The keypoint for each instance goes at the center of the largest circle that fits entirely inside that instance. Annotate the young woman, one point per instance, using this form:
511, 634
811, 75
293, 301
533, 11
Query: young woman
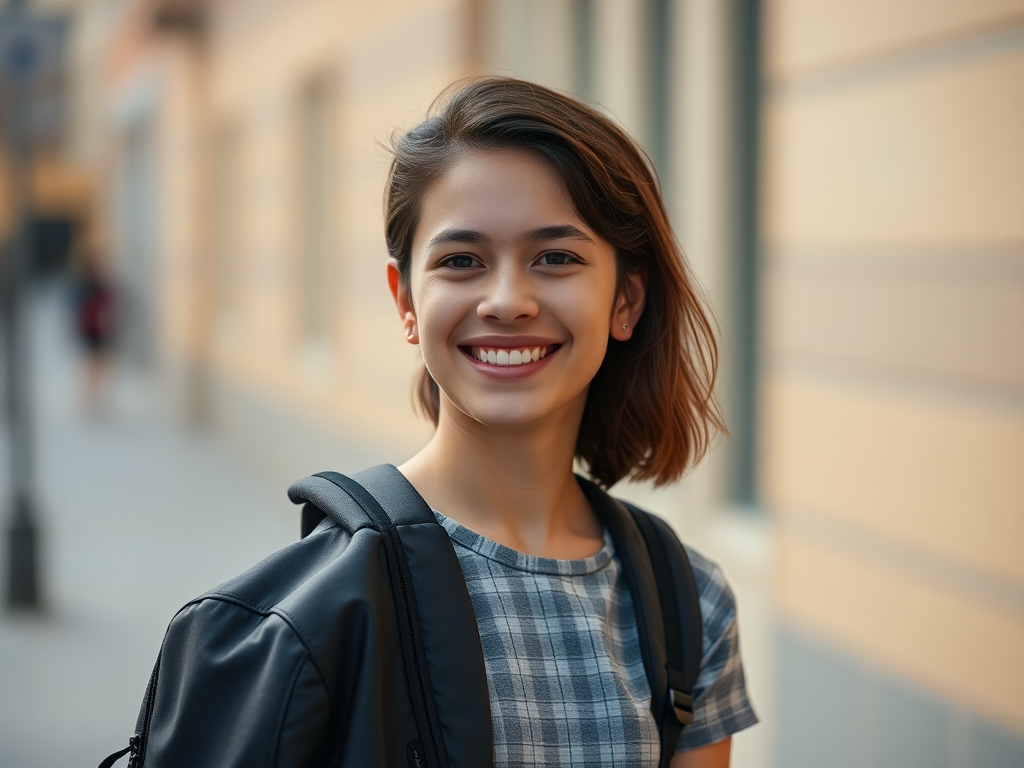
533, 263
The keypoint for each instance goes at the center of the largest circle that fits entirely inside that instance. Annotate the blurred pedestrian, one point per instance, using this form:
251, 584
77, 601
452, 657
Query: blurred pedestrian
95, 317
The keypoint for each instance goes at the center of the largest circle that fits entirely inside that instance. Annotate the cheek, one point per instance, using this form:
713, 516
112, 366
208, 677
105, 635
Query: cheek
586, 308
438, 312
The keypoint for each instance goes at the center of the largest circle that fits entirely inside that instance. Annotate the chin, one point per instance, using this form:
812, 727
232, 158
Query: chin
505, 416
512, 412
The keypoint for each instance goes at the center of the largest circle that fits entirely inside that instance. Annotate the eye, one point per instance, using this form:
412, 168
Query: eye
460, 261
557, 259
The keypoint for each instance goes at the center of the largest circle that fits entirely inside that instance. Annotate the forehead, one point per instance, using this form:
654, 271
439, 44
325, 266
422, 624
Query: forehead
501, 193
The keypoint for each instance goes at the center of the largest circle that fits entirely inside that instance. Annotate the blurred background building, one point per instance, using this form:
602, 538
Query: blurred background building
847, 179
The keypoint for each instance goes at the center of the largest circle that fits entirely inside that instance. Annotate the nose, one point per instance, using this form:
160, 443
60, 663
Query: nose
508, 295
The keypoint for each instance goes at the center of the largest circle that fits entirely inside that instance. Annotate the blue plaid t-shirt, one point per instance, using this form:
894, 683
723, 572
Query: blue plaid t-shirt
566, 678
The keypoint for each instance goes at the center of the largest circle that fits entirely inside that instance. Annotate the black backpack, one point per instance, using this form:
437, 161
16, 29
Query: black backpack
654, 564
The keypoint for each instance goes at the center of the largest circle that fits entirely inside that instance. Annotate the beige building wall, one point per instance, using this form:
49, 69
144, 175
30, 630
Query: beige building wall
893, 377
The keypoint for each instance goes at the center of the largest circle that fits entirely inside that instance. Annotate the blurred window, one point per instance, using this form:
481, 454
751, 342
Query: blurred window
316, 200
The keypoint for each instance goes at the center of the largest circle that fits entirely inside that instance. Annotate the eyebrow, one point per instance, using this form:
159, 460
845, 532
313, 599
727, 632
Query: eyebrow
555, 232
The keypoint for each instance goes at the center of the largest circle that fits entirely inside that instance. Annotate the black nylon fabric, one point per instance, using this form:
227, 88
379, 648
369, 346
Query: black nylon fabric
293, 663
298, 661
687, 601
680, 607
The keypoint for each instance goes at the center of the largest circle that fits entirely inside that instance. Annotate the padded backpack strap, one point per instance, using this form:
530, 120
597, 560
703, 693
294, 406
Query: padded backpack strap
396, 495
680, 607
638, 572
440, 641
325, 495
667, 606
450, 638
421, 693
322, 498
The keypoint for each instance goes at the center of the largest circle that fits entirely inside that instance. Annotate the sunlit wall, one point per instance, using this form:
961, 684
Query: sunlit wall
893, 244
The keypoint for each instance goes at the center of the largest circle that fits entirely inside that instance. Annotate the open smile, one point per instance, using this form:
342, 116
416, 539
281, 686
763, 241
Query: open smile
499, 356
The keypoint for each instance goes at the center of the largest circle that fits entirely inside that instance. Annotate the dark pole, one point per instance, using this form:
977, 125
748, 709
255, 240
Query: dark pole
747, 109
23, 592
659, 85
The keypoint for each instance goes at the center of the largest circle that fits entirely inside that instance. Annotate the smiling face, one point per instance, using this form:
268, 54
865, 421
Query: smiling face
513, 296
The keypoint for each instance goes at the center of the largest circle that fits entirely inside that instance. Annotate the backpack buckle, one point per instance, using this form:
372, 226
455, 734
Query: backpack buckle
682, 705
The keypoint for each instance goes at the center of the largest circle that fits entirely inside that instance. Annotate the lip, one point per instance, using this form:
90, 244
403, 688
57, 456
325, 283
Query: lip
509, 342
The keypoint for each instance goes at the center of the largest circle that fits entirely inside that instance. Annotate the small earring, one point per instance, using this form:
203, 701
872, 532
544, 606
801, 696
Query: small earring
408, 332
624, 326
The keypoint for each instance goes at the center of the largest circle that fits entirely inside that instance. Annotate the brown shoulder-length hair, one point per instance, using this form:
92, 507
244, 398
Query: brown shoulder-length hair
651, 410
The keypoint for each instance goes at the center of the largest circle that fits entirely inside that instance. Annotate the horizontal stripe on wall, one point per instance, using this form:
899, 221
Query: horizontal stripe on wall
932, 159
916, 562
806, 39
958, 323
945, 48
947, 642
940, 477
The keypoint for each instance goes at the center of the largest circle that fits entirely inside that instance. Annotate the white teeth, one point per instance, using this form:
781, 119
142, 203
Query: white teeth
507, 357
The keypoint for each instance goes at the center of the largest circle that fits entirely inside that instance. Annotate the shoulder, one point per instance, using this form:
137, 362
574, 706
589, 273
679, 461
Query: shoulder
722, 705
717, 602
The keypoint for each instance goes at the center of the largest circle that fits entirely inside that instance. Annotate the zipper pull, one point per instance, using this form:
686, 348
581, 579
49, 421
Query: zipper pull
133, 747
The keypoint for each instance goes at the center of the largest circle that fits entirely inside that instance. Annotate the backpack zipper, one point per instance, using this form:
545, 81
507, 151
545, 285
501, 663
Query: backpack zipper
138, 753
421, 685
133, 751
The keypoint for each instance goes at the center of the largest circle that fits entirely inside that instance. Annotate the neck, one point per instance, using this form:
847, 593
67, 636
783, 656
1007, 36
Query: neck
513, 485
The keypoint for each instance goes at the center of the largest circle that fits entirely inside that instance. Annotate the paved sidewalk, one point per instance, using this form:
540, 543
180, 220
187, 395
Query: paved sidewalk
139, 514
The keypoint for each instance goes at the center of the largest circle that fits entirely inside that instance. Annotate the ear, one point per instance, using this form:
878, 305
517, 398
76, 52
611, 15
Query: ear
403, 301
629, 305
